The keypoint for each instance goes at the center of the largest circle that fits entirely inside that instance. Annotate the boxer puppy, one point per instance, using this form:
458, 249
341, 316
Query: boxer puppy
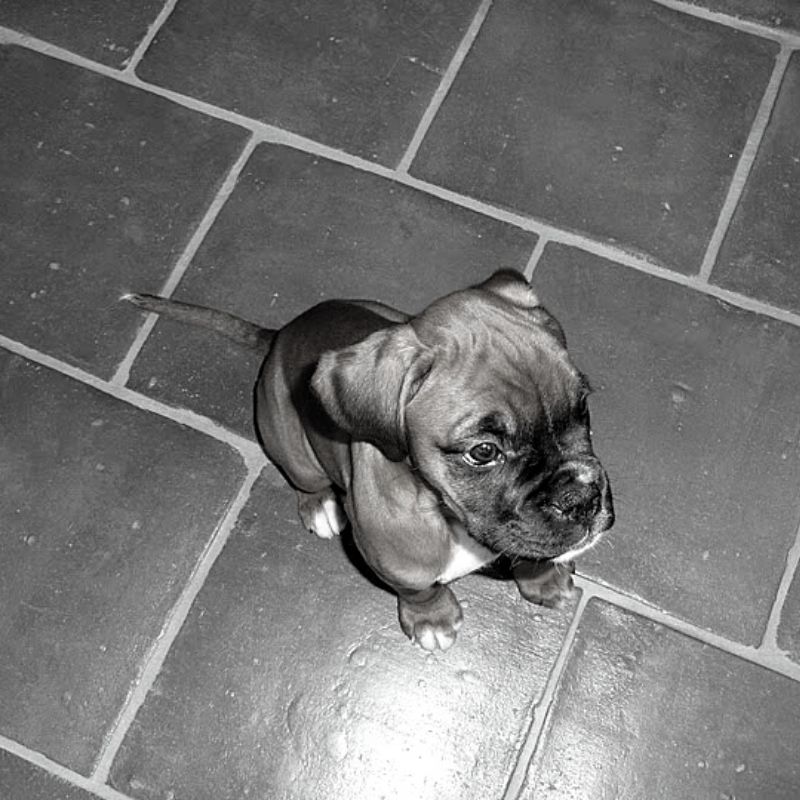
448, 439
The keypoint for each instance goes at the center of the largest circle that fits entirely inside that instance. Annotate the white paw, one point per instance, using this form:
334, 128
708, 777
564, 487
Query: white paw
431, 638
328, 520
321, 513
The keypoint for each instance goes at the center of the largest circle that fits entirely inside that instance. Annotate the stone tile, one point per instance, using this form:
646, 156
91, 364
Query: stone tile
642, 711
104, 510
21, 780
107, 31
356, 76
298, 230
775, 13
759, 255
696, 419
291, 679
102, 187
617, 118
788, 631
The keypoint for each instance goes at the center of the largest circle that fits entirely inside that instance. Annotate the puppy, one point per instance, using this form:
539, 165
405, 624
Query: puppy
448, 439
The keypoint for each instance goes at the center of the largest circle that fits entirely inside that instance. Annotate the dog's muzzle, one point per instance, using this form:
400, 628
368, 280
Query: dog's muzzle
577, 502
578, 493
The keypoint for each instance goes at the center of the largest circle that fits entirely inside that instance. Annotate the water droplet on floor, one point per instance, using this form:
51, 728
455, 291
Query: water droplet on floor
680, 393
336, 745
358, 658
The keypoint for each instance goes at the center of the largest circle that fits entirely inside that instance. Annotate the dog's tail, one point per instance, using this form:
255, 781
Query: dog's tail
238, 330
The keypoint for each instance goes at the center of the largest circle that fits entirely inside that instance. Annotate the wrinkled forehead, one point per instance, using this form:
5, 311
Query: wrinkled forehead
500, 342
508, 376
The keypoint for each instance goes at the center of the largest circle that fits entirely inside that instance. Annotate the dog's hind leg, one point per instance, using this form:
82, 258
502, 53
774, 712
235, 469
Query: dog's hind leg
321, 513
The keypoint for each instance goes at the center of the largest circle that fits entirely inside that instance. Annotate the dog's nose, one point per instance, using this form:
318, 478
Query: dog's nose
576, 502
579, 493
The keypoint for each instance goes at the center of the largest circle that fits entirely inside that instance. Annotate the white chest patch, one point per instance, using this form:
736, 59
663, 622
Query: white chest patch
466, 555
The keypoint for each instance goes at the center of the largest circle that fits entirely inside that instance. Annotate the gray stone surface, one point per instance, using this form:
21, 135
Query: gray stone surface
292, 679
642, 711
780, 14
620, 119
759, 257
102, 187
21, 780
104, 510
788, 629
107, 31
357, 76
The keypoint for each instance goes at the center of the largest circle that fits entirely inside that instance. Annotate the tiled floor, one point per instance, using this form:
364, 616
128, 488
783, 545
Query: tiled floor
168, 630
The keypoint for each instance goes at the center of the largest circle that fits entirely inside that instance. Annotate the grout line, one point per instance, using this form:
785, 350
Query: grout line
274, 135
444, 86
266, 132
123, 371
133, 62
270, 133
767, 655
498, 213
249, 450
59, 771
154, 660
782, 36
768, 658
746, 161
121, 376
211, 214
536, 254
771, 660
770, 641
602, 249
541, 709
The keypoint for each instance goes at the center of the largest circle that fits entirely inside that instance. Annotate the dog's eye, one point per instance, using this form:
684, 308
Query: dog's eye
483, 455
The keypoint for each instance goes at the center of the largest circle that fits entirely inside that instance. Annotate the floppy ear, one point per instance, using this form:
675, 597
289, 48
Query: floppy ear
512, 287
365, 387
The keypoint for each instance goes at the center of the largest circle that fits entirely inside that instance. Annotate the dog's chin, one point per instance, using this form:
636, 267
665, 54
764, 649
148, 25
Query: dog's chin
516, 542
585, 544
538, 545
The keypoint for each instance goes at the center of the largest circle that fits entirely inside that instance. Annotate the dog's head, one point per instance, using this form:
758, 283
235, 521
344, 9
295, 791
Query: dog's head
479, 393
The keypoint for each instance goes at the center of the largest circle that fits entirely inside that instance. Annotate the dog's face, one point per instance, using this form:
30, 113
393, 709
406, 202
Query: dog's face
488, 407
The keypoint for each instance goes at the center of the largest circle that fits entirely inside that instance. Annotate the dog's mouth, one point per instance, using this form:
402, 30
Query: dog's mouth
542, 535
586, 543
538, 543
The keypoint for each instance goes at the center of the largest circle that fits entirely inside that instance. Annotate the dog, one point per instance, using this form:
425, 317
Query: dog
450, 440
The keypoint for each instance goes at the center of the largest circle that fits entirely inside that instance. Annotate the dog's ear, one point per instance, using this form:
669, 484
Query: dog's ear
512, 287
365, 387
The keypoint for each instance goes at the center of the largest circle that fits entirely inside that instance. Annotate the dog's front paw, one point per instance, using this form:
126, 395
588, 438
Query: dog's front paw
321, 513
544, 583
432, 622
